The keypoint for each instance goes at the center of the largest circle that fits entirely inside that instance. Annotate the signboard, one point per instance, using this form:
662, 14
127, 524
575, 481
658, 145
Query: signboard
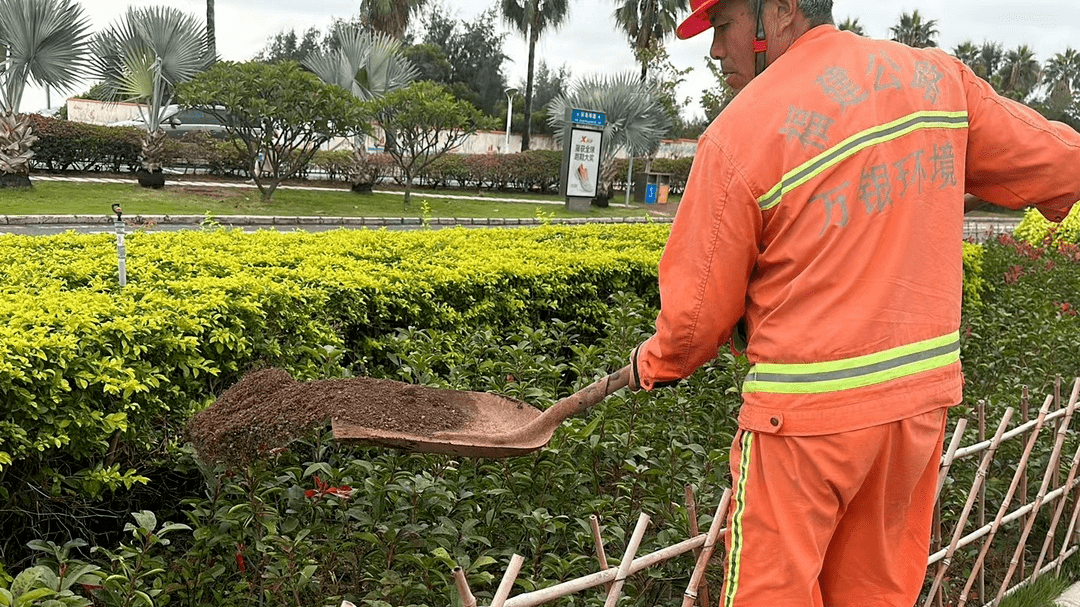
579, 177
584, 167
589, 118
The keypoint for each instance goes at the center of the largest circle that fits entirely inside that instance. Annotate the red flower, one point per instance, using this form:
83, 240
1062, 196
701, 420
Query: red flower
323, 488
1065, 308
1013, 274
240, 557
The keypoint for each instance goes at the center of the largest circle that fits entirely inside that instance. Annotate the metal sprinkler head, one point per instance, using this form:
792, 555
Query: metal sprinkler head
119, 212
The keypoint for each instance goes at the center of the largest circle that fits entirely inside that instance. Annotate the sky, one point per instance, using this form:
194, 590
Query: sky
589, 43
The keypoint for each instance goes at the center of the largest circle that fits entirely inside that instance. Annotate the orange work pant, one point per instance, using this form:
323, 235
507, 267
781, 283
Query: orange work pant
840, 520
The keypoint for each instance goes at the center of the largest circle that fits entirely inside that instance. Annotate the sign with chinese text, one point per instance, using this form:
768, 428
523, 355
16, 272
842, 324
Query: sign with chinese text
584, 169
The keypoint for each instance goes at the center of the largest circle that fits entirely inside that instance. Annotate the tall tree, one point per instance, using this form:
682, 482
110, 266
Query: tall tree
211, 30
43, 41
914, 31
531, 18
1064, 67
287, 46
1020, 73
967, 52
647, 23
389, 16
141, 58
852, 25
278, 111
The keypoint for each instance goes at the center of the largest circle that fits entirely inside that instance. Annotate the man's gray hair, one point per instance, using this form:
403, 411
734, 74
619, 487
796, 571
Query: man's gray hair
817, 11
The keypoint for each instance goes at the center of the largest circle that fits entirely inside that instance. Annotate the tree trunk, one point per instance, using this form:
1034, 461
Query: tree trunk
211, 35
529, 89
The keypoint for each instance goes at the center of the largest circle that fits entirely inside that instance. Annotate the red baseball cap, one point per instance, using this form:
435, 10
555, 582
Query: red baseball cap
698, 21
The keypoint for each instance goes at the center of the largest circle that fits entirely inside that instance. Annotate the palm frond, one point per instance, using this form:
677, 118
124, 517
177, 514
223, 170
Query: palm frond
45, 42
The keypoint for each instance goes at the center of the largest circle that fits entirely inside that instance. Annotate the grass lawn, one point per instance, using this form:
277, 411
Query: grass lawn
69, 198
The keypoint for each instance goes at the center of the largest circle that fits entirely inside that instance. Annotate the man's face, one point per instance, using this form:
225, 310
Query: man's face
734, 25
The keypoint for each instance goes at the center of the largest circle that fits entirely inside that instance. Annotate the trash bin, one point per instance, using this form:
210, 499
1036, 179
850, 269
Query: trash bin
651, 190
662, 196
646, 182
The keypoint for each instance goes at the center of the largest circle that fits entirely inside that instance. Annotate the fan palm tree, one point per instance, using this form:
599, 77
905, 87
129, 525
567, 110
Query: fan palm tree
852, 25
141, 58
389, 16
913, 31
636, 120
43, 41
647, 23
369, 65
1020, 73
531, 18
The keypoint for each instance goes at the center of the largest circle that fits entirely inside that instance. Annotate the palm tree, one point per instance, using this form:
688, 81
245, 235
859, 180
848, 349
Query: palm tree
1064, 67
1020, 73
369, 65
647, 23
141, 58
40, 40
211, 30
531, 18
389, 16
914, 32
853, 26
968, 53
636, 120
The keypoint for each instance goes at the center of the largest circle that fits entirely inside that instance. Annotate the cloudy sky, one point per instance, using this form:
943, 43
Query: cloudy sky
589, 44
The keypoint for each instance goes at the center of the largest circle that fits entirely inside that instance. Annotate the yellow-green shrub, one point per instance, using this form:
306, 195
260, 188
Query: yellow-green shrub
1035, 229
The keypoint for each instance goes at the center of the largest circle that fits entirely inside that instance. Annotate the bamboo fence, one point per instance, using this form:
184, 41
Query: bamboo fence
980, 562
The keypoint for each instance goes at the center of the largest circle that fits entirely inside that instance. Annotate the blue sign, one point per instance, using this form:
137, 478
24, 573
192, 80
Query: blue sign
651, 191
587, 117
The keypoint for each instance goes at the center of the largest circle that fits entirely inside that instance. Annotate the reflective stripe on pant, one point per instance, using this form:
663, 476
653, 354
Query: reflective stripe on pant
839, 520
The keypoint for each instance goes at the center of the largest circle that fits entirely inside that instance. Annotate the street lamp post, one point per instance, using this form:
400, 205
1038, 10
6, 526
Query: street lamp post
509, 110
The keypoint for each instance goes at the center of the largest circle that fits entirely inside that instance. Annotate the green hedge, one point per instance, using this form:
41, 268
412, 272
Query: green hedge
83, 359
1035, 229
64, 145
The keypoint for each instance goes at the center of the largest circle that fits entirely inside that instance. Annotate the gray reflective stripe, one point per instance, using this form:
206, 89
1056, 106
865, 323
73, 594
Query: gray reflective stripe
856, 143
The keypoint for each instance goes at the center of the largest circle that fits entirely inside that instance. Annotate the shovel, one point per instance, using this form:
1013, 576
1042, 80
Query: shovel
497, 426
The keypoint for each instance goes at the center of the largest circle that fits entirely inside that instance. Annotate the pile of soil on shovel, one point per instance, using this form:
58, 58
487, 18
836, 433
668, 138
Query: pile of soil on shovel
267, 409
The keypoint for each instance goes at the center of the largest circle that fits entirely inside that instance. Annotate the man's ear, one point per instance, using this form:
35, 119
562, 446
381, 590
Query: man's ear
786, 13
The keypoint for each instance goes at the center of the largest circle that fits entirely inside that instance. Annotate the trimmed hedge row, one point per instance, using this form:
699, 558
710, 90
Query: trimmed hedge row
82, 360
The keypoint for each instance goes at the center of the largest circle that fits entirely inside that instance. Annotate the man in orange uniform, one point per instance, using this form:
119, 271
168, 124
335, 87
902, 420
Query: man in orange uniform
825, 207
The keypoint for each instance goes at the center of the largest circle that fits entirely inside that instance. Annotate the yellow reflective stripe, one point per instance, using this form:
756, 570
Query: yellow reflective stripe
735, 534
855, 144
857, 372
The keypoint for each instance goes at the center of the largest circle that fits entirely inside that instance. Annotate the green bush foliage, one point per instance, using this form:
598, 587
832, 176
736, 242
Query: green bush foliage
63, 145
533, 170
1035, 229
103, 378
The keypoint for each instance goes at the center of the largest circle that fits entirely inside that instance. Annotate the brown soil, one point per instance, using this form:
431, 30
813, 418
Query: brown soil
267, 409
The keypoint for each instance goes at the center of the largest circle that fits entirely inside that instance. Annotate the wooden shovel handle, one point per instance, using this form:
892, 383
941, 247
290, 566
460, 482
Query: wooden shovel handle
587, 396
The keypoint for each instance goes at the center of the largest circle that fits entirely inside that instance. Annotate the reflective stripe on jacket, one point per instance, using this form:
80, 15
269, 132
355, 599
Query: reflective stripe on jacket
825, 205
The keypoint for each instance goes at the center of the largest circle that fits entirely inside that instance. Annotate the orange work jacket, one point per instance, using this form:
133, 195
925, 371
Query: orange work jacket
825, 205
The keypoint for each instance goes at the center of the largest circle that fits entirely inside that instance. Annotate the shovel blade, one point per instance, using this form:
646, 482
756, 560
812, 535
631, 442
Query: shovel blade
489, 421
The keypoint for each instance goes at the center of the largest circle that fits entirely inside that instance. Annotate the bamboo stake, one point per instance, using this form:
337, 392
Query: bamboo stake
1068, 535
628, 558
1054, 456
1068, 483
1058, 511
982, 496
1025, 399
507, 583
467, 598
691, 515
1004, 508
691, 594
545, 595
980, 476
598, 542
950, 455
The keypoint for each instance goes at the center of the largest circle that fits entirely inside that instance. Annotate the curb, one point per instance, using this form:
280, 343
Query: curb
137, 221
1070, 598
